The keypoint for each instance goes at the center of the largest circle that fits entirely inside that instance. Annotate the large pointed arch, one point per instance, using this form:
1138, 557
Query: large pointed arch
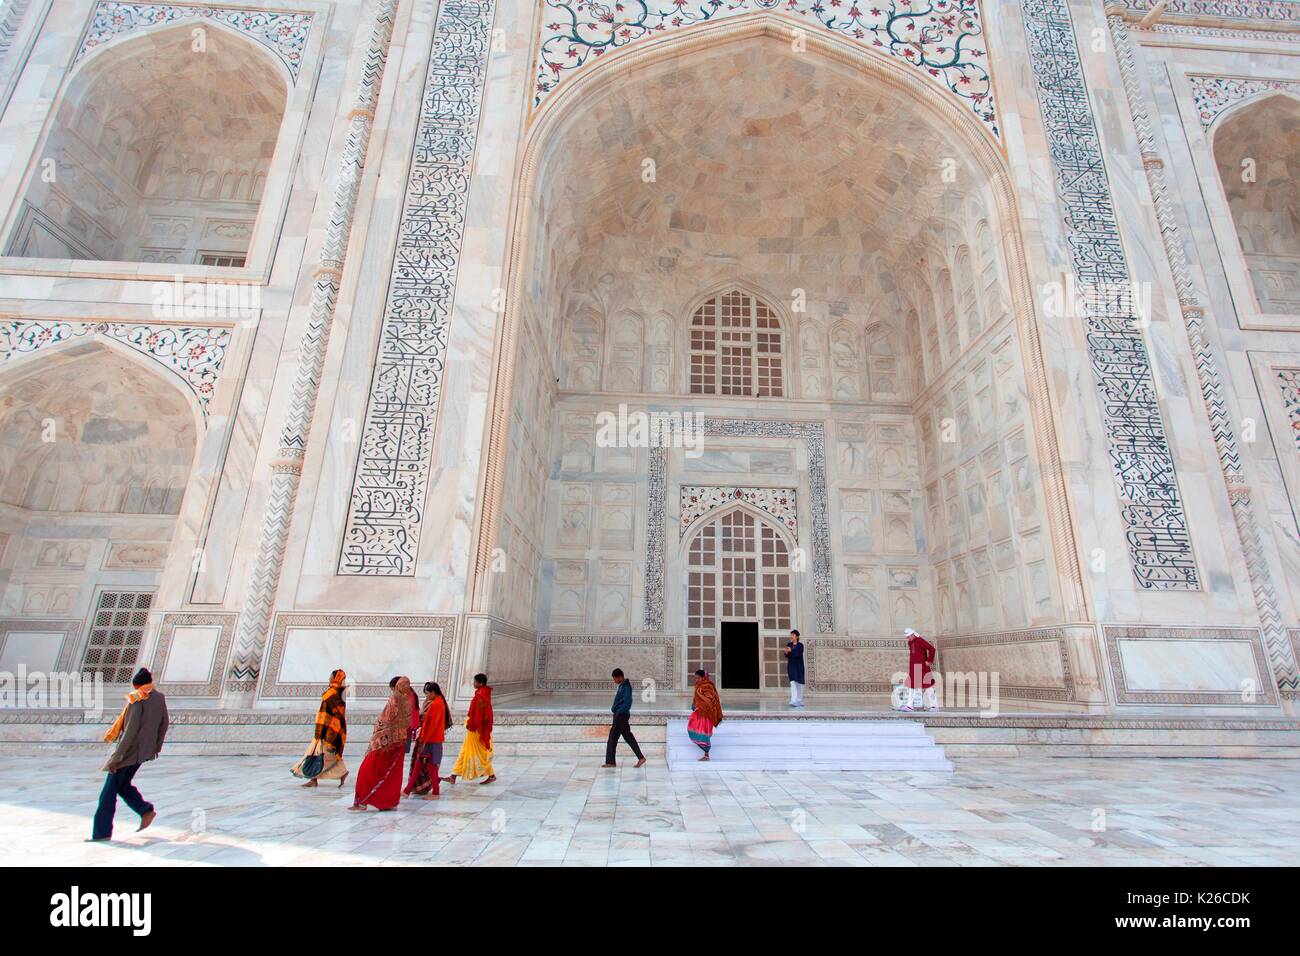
568, 109
97, 453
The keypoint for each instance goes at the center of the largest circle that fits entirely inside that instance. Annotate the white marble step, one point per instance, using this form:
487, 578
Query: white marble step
886, 745
768, 730
717, 764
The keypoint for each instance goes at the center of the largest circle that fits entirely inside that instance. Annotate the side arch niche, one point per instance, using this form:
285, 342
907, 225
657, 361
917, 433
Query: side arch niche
96, 454
156, 152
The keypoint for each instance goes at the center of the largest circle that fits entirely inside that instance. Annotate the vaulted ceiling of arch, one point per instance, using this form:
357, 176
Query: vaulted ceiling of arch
154, 104
768, 166
94, 432
1265, 134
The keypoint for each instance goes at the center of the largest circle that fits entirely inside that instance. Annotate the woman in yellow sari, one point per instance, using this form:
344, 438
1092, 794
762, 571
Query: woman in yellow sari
324, 757
475, 758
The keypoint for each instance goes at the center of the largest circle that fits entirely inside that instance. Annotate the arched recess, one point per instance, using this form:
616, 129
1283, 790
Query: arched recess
1256, 147
156, 152
593, 103
96, 453
737, 569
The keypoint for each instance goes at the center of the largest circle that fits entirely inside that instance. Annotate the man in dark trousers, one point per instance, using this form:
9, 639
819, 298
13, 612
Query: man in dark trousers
139, 731
794, 668
622, 726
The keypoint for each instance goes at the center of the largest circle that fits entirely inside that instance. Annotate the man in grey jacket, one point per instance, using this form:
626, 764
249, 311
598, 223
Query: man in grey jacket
139, 733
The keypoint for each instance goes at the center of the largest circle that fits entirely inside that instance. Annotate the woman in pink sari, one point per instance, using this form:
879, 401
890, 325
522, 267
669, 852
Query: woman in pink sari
379, 781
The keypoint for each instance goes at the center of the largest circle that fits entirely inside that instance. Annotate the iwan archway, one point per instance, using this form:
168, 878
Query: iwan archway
848, 230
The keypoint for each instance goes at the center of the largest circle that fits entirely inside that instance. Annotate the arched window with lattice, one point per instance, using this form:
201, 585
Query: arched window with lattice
736, 347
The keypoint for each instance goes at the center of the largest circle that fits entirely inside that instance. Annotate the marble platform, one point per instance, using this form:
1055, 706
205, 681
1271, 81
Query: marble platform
564, 810
543, 726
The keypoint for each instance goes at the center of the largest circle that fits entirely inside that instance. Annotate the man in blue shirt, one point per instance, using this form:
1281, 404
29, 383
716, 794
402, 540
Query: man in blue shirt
622, 711
794, 668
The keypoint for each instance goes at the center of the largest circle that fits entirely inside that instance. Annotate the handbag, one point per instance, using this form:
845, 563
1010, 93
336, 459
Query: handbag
311, 765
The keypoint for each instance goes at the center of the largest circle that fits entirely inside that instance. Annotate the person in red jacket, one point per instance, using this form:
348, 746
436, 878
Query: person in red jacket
434, 721
920, 655
475, 758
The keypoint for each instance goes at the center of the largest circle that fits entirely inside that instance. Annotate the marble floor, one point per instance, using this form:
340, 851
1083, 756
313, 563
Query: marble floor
556, 810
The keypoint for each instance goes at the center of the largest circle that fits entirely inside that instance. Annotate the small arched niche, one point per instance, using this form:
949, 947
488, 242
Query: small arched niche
96, 451
1257, 152
158, 152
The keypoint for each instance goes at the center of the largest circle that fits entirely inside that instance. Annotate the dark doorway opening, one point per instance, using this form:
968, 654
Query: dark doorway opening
739, 660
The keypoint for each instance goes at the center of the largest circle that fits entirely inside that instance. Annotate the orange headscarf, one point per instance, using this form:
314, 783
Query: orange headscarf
336, 684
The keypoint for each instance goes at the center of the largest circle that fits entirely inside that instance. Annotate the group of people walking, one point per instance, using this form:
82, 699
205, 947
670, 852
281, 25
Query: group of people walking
407, 725
404, 726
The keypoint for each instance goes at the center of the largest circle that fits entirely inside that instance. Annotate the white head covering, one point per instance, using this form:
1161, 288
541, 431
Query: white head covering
908, 632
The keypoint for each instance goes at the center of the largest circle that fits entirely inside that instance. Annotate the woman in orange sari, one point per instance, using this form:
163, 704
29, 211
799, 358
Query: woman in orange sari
379, 781
324, 757
706, 713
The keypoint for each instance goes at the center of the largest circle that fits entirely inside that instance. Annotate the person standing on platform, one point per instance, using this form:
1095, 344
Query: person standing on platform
139, 731
622, 725
706, 713
475, 758
794, 668
920, 655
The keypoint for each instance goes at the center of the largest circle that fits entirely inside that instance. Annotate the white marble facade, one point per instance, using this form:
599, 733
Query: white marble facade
315, 316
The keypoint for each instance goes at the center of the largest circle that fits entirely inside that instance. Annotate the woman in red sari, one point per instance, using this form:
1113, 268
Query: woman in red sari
434, 721
706, 713
379, 781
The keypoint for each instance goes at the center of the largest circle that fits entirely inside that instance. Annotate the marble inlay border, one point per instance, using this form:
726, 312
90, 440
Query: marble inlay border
813, 435
1284, 11
271, 686
1042, 635
68, 646
386, 506
1179, 29
1159, 543
1267, 694
195, 353
1289, 388
1214, 94
212, 687
697, 501
896, 645
284, 33
942, 39
547, 641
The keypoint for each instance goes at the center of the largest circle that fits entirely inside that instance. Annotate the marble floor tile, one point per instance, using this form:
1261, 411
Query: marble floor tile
557, 811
